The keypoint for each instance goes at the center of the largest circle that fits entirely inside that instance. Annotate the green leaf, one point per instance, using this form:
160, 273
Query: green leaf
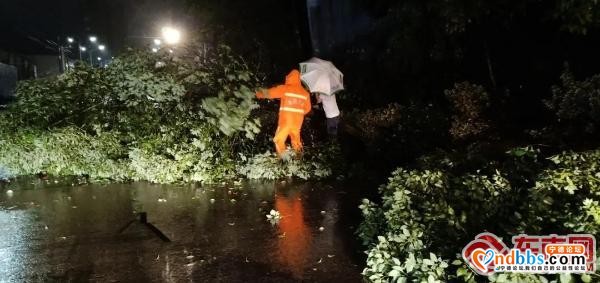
501, 278
586, 278
565, 278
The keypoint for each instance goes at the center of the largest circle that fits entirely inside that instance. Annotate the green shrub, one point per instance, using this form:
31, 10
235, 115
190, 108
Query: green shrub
577, 103
427, 216
373, 222
371, 122
571, 185
399, 132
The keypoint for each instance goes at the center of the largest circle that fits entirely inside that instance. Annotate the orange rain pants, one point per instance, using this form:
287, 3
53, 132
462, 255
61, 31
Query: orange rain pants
295, 103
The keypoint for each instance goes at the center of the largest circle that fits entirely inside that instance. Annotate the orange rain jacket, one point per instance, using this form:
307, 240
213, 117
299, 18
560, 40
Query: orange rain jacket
295, 103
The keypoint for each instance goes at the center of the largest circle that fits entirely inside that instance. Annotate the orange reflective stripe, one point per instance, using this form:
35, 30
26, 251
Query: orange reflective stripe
291, 109
295, 95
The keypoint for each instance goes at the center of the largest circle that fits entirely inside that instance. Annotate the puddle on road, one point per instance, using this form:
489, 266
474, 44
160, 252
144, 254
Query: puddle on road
57, 232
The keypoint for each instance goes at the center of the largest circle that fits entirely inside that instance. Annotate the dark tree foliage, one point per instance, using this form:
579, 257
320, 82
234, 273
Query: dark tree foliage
415, 49
271, 34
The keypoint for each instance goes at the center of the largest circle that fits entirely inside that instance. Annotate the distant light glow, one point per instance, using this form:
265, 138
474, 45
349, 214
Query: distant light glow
157, 41
70, 39
93, 39
99, 58
82, 48
170, 50
171, 35
155, 50
101, 47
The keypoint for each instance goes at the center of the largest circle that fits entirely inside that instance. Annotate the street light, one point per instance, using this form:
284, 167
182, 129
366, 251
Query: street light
81, 50
93, 39
70, 39
154, 49
101, 47
99, 58
171, 35
157, 41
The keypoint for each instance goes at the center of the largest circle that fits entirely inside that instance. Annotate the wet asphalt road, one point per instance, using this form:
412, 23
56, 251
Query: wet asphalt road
70, 233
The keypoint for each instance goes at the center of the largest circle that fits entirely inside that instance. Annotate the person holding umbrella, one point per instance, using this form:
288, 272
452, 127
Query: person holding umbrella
332, 112
325, 80
295, 103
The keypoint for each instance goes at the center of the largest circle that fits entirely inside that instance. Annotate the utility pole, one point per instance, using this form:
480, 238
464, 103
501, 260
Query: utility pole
61, 57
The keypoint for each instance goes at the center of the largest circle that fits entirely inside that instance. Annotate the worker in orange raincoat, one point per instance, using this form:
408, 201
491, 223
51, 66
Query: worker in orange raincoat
295, 103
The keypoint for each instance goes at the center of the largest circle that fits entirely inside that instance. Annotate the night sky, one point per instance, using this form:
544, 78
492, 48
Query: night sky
115, 22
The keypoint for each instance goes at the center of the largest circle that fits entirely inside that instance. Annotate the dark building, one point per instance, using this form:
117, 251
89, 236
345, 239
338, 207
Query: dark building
29, 66
32, 57
8, 82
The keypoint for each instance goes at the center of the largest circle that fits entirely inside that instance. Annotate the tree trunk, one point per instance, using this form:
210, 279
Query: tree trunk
489, 65
301, 11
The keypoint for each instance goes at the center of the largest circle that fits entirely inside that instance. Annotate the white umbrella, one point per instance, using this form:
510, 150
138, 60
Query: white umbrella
321, 76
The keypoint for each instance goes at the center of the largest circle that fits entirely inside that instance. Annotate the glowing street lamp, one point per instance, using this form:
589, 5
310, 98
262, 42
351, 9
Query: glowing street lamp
171, 35
93, 39
81, 50
70, 40
157, 41
99, 58
154, 49
101, 47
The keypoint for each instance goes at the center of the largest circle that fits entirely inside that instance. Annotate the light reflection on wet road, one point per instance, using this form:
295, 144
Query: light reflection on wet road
55, 232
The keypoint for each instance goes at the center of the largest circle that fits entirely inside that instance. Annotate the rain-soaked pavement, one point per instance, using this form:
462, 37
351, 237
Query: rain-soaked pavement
57, 232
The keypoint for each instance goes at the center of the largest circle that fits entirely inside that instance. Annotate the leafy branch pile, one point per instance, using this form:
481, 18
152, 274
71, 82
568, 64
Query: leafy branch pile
157, 117
317, 164
427, 216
